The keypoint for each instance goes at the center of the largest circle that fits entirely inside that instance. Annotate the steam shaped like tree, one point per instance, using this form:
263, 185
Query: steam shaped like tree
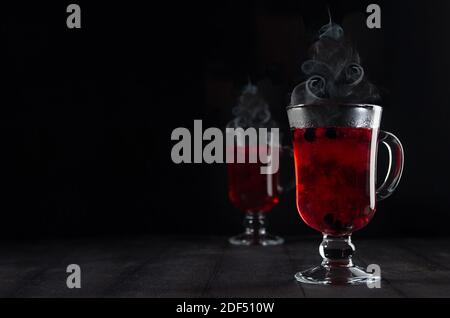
333, 72
252, 110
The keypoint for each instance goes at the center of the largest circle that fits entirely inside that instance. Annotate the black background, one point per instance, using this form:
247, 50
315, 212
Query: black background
86, 115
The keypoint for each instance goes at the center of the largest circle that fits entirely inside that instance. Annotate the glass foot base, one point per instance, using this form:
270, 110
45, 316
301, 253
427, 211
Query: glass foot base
247, 239
328, 275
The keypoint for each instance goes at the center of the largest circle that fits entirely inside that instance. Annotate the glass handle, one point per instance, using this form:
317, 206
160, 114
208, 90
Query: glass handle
396, 160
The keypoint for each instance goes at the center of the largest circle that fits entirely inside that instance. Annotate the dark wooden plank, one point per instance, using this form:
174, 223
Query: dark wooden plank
181, 270
105, 273
209, 267
23, 263
254, 271
433, 251
101, 262
407, 272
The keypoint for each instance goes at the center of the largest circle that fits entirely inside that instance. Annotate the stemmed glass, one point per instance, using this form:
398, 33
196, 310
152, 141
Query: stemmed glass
335, 148
255, 193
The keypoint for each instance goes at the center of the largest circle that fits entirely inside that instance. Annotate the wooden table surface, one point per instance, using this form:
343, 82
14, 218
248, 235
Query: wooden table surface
209, 267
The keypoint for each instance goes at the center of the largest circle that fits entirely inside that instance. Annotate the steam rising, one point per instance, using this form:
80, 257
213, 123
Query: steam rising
333, 72
251, 110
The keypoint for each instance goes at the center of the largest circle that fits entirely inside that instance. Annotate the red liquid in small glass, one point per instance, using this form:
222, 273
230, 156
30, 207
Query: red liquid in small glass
335, 188
248, 189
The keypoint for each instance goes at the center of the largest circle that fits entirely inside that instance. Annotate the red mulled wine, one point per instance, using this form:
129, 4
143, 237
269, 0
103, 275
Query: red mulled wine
248, 189
333, 176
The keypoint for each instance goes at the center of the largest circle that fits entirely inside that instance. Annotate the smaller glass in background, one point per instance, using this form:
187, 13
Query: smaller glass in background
250, 190
255, 193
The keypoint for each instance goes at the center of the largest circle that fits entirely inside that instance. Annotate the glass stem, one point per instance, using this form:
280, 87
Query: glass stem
255, 223
337, 251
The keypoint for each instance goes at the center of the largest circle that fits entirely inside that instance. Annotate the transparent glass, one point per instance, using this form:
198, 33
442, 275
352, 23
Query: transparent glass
256, 194
335, 150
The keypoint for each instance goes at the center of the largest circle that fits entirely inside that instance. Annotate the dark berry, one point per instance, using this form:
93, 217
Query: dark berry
331, 133
310, 134
338, 225
329, 219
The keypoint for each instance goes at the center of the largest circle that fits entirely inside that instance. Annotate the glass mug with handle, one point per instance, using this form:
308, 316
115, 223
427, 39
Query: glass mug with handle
255, 193
335, 149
